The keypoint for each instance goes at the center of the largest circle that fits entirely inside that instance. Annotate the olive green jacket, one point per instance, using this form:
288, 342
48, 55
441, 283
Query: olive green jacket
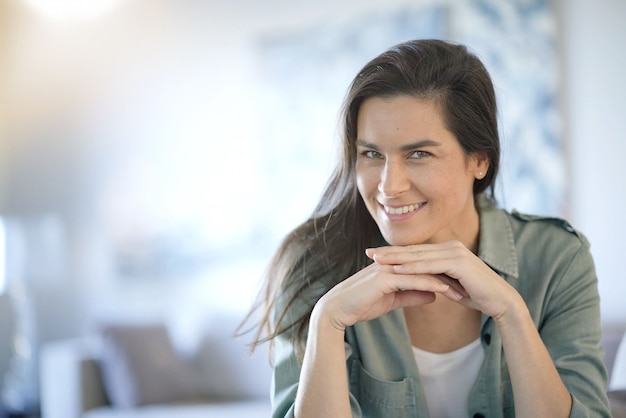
549, 264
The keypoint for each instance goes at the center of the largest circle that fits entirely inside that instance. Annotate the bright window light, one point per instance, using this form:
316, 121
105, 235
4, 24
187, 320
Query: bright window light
64, 10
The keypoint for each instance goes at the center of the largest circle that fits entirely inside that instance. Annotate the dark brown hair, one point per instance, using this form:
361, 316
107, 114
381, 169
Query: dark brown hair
330, 246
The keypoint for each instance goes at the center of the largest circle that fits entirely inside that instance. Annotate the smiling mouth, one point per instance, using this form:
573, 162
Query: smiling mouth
402, 209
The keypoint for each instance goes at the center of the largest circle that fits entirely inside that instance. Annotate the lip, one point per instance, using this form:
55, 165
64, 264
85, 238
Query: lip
398, 213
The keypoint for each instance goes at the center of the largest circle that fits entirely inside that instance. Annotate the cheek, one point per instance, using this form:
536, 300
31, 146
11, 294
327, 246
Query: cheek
448, 182
365, 182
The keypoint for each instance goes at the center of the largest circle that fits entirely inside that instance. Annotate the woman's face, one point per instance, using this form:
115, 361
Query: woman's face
413, 175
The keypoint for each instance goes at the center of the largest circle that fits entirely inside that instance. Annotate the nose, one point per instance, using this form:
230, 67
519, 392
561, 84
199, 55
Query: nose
393, 179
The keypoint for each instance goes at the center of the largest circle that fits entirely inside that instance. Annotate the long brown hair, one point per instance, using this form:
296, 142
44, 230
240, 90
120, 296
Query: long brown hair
330, 246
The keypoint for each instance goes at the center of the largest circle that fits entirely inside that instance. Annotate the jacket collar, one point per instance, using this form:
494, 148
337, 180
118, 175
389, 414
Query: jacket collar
496, 245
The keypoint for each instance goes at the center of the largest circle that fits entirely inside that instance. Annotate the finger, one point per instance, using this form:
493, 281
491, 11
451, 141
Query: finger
436, 283
428, 283
391, 249
406, 255
454, 284
434, 263
450, 293
373, 253
424, 283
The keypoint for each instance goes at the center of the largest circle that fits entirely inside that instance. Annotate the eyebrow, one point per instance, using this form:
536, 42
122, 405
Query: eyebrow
407, 147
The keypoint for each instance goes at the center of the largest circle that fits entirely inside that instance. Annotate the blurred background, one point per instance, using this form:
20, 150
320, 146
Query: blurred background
153, 153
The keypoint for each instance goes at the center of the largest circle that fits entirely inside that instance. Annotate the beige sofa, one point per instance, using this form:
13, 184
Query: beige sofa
139, 374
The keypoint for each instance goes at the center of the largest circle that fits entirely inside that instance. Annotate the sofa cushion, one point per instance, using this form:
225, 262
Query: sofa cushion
618, 403
141, 366
220, 354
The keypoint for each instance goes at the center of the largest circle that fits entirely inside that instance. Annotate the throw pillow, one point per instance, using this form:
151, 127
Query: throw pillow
141, 366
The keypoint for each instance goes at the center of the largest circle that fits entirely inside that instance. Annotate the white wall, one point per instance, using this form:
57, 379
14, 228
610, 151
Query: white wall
594, 36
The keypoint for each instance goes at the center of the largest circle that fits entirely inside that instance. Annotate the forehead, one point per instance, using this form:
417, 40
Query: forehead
401, 118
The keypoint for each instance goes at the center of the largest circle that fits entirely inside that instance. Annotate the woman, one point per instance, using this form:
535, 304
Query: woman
408, 292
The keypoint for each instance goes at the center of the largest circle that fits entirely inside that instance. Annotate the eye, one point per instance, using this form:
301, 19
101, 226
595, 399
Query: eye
419, 155
374, 155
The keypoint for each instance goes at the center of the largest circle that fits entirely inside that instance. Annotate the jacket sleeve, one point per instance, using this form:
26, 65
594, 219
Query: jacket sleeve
286, 377
571, 329
287, 366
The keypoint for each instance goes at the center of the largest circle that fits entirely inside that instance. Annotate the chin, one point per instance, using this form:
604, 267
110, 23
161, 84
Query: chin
402, 240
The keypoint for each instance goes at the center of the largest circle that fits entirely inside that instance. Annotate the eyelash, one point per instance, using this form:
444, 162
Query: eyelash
376, 155
422, 154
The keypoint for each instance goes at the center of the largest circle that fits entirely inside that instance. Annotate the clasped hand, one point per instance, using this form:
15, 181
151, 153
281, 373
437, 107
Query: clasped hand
403, 276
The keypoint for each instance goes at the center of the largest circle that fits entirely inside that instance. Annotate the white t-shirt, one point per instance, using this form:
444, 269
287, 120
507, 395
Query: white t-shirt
448, 378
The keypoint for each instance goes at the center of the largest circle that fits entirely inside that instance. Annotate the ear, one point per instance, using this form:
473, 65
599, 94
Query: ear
479, 164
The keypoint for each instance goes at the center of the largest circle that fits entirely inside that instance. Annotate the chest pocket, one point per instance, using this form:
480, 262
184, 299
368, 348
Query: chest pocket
382, 398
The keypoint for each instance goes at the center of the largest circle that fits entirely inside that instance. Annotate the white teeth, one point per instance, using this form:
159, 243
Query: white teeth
401, 210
